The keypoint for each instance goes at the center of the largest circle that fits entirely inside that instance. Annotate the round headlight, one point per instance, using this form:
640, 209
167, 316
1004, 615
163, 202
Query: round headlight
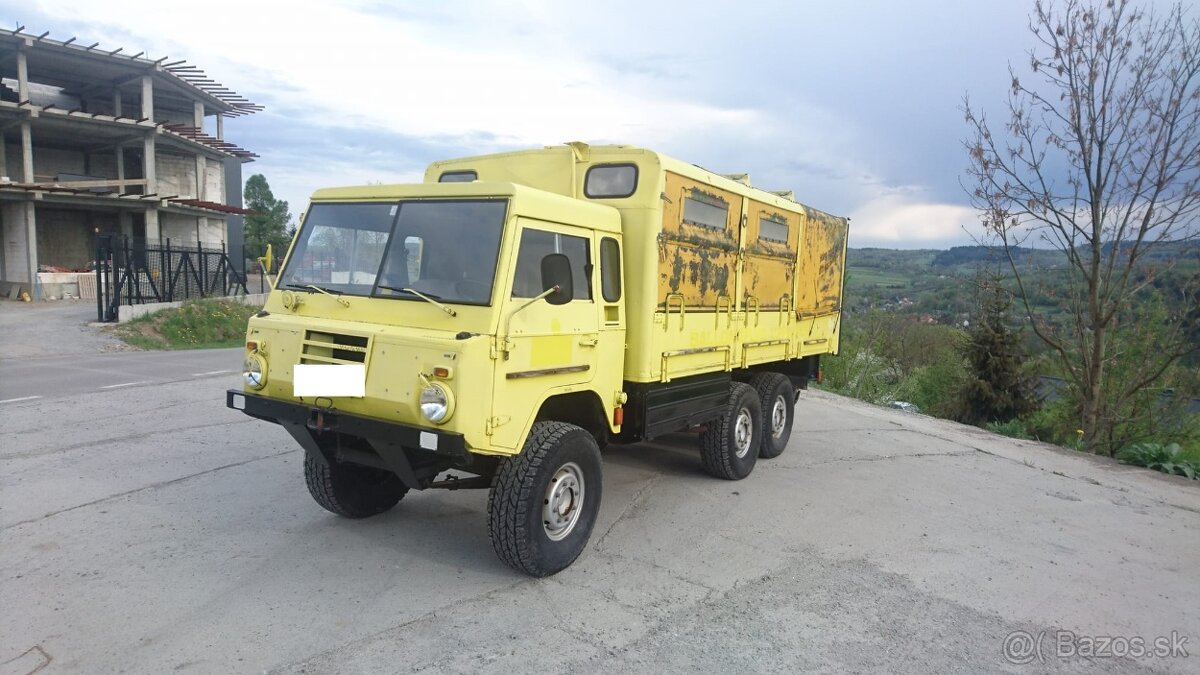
254, 371
437, 405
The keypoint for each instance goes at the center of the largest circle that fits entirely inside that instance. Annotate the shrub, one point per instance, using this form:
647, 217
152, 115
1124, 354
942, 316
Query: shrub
1165, 458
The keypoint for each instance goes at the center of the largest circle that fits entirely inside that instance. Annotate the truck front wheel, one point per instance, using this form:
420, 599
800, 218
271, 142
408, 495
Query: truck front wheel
544, 502
778, 407
351, 490
729, 445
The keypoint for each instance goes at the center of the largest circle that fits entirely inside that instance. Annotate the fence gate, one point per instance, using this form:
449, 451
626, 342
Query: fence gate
135, 271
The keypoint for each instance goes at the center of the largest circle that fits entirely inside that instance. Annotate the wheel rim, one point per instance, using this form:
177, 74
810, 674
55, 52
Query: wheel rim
778, 417
743, 433
563, 501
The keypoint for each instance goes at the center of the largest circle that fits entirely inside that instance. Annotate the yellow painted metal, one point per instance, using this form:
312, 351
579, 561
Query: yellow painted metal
770, 270
784, 294
551, 350
823, 258
694, 260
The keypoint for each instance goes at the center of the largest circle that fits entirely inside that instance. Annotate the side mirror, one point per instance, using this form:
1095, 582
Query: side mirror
267, 261
556, 271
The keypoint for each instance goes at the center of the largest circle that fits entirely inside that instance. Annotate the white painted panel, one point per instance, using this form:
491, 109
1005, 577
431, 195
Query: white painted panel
329, 380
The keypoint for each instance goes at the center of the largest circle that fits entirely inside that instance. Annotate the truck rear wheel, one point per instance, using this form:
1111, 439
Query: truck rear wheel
778, 408
544, 502
729, 446
351, 490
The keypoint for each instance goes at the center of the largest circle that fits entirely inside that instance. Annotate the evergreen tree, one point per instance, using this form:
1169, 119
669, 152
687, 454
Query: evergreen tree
269, 222
996, 390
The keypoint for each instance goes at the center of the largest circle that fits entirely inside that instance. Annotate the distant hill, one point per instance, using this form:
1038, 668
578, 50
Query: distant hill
939, 285
971, 255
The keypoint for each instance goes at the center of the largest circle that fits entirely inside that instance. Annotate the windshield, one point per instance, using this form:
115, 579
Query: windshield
445, 250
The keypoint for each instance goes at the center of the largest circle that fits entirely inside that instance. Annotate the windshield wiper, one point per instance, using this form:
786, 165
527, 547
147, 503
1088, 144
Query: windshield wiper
333, 293
430, 298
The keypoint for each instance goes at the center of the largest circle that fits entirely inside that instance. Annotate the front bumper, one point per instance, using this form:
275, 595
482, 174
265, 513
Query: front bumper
321, 420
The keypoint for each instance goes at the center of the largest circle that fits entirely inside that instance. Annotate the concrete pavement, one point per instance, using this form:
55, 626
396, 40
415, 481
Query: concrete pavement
57, 329
168, 533
54, 349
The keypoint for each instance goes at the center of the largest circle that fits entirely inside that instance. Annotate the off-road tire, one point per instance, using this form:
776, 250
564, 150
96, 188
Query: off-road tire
774, 390
351, 490
719, 442
523, 487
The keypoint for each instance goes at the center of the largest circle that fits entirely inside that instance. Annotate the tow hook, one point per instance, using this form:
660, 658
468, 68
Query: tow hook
321, 420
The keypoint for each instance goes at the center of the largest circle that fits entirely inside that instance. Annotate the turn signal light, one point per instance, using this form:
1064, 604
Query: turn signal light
441, 371
252, 345
618, 416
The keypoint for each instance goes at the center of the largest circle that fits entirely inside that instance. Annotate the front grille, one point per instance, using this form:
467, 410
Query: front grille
336, 348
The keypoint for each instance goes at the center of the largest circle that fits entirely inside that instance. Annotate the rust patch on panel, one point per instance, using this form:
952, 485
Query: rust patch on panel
770, 268
822, 264
697, 261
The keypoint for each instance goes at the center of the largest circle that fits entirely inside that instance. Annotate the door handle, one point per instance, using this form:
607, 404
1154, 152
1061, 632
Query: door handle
589, 342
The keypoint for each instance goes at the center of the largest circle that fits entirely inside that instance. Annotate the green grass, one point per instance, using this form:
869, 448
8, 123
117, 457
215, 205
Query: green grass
1011, 428
198, 324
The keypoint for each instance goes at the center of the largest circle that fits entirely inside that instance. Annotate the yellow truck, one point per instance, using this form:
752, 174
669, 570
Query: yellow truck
496, 325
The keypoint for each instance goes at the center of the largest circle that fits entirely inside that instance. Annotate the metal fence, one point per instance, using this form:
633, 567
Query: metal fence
133, 271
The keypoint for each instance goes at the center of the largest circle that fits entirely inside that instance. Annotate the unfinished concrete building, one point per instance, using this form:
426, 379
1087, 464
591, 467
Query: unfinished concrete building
94, 141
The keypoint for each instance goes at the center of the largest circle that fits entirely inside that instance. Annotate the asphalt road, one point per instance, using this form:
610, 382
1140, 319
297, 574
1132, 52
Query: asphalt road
148, 529
56, 376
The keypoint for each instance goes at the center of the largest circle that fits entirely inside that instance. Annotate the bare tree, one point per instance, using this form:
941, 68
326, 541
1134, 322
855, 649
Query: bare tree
1100, 159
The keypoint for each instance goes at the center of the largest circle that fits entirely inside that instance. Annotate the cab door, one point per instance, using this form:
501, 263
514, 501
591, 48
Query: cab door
546, 348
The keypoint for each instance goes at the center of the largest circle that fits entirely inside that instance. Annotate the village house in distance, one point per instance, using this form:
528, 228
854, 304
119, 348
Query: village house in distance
95, 141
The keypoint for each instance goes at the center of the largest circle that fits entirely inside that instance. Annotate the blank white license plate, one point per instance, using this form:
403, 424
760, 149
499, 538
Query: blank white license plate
329, 380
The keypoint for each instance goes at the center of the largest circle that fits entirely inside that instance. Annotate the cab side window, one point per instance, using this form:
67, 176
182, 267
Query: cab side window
610, 269
537, 244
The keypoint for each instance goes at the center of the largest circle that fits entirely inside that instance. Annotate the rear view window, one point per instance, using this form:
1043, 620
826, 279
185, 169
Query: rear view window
611, 180
458, 177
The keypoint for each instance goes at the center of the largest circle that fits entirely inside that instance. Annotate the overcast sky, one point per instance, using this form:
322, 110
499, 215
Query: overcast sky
854, 105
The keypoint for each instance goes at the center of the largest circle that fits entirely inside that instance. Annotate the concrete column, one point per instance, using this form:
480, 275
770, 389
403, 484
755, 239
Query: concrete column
201, 182
148, 170
198, 115
117, 104
26, 152
148, 97
120, 152
152, 230
3, 158
22, 75
31, 258
148, 158
220, 127
26, 131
